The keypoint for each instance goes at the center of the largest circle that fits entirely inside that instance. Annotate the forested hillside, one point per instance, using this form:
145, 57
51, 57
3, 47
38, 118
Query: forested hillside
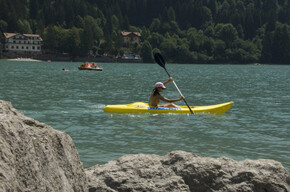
184, 31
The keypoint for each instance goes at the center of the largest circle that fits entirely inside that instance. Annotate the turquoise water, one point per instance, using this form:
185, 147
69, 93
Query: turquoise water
257, 126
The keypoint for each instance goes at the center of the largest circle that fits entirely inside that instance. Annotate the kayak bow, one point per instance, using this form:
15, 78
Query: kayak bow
140, 107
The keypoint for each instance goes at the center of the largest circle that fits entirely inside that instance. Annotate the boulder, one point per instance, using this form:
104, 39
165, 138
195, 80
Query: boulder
36, 157
183, 171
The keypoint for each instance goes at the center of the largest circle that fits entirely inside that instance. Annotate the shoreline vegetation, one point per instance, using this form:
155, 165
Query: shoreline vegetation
110, 60
203, 32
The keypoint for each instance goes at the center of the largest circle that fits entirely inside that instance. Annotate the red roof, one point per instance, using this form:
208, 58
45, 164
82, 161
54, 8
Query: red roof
125, 33
9, 35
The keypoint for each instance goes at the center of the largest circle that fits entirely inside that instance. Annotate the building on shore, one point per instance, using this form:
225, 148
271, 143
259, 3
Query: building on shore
22, 44
130, 40
131, 37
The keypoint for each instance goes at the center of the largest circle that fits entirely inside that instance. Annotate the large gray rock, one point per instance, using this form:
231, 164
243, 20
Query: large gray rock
35, 157
183, 171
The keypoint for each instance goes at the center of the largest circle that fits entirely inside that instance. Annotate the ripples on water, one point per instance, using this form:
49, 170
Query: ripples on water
257, 126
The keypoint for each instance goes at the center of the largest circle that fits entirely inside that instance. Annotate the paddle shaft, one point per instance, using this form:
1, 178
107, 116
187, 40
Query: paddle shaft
178, 90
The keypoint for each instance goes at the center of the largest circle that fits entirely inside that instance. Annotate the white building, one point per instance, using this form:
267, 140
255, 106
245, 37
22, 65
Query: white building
16, 42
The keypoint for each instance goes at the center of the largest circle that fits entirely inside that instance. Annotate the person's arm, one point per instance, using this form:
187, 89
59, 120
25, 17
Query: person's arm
169, 80
171, 100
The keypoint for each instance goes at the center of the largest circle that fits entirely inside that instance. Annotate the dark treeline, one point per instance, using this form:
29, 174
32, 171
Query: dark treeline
184, 31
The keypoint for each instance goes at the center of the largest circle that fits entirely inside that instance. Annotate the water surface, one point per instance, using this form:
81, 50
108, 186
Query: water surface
257, 126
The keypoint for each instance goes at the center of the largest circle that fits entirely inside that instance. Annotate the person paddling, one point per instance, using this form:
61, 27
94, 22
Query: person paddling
155, 96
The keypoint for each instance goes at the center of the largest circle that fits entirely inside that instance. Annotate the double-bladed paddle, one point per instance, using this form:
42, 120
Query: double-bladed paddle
159, 59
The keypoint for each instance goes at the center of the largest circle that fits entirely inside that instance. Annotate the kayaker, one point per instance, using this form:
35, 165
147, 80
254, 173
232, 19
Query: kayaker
155, 96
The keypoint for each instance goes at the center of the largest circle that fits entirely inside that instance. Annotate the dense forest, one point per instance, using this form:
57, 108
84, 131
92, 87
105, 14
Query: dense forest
184, 31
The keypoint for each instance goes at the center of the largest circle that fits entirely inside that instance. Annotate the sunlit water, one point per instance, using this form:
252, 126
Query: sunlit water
257, 126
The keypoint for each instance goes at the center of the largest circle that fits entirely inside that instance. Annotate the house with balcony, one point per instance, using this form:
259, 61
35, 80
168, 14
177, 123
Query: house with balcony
22, 43
131, 37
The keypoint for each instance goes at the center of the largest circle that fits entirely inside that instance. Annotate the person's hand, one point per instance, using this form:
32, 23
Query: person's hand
182, 98
171, 79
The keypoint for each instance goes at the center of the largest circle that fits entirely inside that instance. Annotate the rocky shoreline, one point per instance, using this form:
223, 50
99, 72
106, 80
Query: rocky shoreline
36, 157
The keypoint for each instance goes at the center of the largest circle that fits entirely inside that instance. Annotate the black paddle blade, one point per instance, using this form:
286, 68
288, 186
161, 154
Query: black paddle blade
159, 59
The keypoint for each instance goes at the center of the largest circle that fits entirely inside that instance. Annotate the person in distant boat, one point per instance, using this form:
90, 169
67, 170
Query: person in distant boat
64, 69
155, 96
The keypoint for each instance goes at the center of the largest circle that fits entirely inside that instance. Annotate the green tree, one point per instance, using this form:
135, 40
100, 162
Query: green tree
23, 26
270, 10
226, 32
171, 14
168, 47
223, 14
49, 38
284, 13
79, 22
92, 34
155, 26
205, 16
146, 52
33, 9
266, 56
3, 26
281, 44
156, 39
219, 52
276, 45
72, 41
208, 45
183, 54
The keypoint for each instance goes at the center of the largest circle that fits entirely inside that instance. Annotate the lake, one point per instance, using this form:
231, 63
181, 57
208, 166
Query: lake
73, 101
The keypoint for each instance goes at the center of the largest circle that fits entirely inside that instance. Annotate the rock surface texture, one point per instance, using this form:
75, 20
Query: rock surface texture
183, 171
36, 157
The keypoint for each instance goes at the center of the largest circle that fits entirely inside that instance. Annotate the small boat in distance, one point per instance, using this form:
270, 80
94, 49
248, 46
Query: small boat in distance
90, 66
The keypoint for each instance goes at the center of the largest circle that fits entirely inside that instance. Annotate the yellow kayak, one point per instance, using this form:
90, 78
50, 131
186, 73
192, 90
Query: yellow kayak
140, 107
